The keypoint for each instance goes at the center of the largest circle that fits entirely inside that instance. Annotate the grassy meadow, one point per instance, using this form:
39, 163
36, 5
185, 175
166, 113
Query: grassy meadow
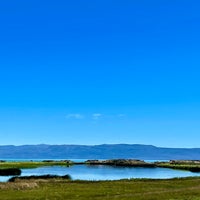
144, 189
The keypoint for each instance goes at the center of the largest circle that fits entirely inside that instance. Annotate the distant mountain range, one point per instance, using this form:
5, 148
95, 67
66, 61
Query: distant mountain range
105, 151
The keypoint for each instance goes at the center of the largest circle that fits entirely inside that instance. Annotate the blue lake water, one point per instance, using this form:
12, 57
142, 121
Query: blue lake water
102, 172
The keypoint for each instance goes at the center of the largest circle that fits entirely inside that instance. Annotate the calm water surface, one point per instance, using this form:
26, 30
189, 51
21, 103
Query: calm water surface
102, 172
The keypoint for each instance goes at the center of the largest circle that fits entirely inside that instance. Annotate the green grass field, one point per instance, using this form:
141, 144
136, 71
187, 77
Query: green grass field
188, 167
180, 189
28, 164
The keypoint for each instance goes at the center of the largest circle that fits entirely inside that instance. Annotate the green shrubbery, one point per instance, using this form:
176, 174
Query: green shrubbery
10, 172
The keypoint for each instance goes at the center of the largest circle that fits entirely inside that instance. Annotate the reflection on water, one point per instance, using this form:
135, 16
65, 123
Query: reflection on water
102, 172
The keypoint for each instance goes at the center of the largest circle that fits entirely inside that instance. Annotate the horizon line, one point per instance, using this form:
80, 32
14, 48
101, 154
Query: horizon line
1, 145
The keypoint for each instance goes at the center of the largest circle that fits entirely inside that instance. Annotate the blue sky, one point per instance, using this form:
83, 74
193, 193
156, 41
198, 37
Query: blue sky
94, 72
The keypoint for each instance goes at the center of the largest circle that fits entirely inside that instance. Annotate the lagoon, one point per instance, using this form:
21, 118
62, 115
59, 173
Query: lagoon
103, 172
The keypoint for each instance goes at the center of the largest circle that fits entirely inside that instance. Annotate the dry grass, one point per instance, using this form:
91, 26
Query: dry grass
18, 185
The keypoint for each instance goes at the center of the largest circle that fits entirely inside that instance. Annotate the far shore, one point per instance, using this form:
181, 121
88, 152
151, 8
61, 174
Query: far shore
190, 165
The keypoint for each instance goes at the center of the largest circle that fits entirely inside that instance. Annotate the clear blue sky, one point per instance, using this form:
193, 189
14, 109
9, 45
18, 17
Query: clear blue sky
94, 72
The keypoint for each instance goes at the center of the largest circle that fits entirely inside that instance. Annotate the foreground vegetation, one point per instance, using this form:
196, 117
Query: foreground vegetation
47, 177
144, 189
